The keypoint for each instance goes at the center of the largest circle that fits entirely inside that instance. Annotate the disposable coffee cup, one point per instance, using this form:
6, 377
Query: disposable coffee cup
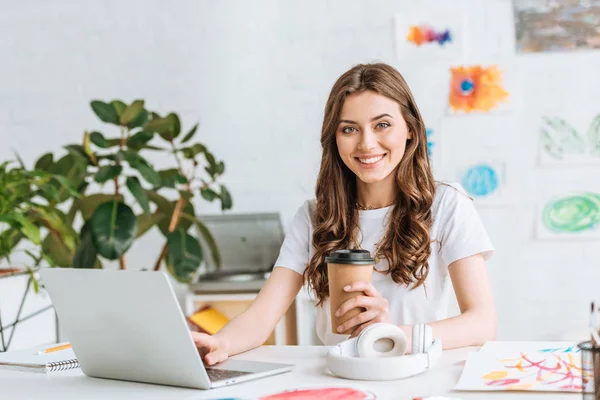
345, 267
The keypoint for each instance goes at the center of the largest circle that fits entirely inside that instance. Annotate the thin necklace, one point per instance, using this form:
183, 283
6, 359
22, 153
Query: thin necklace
365, 208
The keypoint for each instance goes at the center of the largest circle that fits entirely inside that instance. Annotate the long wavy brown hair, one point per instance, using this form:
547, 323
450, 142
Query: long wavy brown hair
406, 243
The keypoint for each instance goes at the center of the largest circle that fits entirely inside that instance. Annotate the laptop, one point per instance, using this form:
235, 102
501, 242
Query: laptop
128, 325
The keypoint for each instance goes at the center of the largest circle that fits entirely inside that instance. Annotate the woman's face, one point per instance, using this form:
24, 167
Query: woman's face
371, 136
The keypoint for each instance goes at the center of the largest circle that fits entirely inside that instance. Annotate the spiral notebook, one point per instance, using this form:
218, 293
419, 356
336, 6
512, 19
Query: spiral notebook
30, 360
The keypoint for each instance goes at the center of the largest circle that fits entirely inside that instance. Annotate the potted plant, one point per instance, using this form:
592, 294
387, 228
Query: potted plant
119, 195
28, 210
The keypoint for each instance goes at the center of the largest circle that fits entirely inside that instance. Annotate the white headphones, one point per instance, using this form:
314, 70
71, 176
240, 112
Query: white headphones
378, 353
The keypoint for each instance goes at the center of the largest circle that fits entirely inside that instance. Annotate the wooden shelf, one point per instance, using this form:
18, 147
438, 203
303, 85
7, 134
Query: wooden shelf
233, 304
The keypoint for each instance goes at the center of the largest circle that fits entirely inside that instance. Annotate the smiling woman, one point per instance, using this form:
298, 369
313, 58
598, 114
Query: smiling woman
375, 191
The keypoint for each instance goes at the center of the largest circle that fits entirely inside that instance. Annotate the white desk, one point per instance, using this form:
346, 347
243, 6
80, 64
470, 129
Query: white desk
309, 372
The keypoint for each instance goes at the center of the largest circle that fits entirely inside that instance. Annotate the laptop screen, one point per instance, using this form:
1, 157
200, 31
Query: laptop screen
246, 241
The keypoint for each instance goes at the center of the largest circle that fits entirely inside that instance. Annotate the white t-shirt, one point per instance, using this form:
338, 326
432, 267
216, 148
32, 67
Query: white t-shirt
456, 224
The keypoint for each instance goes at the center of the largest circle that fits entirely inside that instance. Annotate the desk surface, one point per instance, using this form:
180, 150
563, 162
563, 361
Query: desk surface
309, 372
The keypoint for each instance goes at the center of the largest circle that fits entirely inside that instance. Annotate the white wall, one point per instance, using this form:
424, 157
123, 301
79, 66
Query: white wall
257, 74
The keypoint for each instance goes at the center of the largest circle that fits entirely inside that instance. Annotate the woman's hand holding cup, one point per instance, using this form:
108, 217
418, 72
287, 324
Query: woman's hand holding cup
374, 306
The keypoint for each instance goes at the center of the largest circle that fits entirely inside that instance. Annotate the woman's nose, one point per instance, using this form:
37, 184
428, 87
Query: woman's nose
367, 140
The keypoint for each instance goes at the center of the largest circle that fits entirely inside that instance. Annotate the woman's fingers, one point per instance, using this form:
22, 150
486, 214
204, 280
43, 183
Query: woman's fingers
362, 301
215, 357
361, 286
358, 320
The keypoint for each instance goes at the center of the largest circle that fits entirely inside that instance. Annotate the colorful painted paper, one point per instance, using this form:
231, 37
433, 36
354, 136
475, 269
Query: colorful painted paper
430, 33
572, 216
314, 393
507, 367
476, 88
573, 141
335, 393
485, 181
543, 25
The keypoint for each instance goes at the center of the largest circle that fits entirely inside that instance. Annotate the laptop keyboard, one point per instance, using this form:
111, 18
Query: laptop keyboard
221, 374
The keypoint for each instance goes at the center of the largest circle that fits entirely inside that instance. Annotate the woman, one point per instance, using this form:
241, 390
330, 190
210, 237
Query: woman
375, 191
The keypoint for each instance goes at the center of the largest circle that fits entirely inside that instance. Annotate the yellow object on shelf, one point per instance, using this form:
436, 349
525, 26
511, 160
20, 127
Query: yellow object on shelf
209, 320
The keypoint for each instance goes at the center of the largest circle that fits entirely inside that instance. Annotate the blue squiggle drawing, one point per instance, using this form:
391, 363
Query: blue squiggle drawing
480, 180
430, 143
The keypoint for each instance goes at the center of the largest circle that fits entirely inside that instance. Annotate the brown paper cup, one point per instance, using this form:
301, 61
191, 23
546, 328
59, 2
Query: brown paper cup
345, 267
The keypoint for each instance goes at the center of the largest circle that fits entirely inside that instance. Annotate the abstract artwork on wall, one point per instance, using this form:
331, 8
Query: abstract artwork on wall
562, 143
430, 33
485, 181
570, 216
476, 88
544, 25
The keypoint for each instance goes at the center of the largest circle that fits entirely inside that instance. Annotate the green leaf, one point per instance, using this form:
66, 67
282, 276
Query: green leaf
85, 255
176, 124
107, 173
162, 126
56, 221
8, 240
31, 231
213, 166
119, 107
20, 160
145, 169
66, 184
220, 168
149, 147
181, 179
183, 224
136, 189
145, 222
226, 201
114, 227
190, 134
132, 112
56, 250
34, 281
105, 112
208, 194
168, 127
44, 162
74, 169
89, 204
192, 151
77, 151
208, 238
99, 140
139, 121
184, 255
87, 148
138, 140
168, 177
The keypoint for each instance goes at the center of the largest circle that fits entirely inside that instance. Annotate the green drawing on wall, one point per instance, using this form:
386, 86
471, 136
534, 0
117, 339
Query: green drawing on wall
560, 139
572, 214
594, 136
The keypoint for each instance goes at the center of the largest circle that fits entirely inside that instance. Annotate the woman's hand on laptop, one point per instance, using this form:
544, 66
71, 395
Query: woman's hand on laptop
211, 349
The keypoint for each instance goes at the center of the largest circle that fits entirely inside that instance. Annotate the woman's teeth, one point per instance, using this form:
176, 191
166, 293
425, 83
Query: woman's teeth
370, 160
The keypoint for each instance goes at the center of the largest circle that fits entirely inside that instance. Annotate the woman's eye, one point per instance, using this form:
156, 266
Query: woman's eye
382, 125
348, 129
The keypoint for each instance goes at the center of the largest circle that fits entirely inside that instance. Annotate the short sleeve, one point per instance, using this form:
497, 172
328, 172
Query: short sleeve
295, 250
461, 229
